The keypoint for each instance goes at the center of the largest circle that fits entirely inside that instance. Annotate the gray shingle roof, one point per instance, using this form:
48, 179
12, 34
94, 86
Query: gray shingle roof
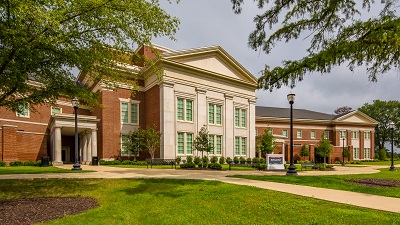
262, 111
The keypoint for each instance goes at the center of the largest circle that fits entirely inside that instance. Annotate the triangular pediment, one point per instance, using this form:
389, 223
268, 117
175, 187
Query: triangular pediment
212, 59
356, 117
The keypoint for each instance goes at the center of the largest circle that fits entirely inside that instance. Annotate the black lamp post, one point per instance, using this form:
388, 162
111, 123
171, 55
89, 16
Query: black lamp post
292, 169
343, 164
391, 125
75, 104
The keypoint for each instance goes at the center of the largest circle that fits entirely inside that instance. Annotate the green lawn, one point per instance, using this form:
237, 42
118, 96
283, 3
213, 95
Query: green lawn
173, 201
380, 163
37, 169
224, 167
339, 182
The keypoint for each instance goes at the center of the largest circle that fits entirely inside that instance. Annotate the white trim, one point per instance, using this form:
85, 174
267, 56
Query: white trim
69, 104
27, 132
27, 122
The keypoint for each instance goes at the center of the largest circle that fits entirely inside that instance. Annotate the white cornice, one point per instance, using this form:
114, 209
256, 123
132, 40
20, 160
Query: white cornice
20, 121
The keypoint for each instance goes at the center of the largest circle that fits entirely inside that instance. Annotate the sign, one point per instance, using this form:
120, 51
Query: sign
275, 162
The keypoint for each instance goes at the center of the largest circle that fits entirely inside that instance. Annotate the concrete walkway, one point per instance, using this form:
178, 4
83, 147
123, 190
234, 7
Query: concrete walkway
346, 197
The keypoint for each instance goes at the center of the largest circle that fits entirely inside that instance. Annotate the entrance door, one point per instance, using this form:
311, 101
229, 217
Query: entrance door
65, 154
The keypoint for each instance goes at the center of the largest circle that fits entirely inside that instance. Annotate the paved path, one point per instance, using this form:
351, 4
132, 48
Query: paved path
345, 197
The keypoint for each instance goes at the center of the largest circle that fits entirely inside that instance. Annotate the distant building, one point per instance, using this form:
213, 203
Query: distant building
309, 127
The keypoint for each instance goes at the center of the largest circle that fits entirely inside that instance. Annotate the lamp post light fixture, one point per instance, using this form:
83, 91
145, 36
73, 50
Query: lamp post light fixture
343, 164
75, 104
391, 125
292, 169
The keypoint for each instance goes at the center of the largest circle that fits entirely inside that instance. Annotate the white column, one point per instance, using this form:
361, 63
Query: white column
229, 127
88, 152
167, 121
84, 148
52, 146
57, 146
252, 128
94, 142
201, 109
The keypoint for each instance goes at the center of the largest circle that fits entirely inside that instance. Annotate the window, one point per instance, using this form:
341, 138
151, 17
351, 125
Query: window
184, 109
218, 145
312, 134
214, 114
211, 142
240, 145
240, 117
124, 151
342, 134
354, 134
367, 153
284, 133
356, 153
55, 110
185, 144
24, 111
367, 135
270, 131
216, 142
326, 134
129, 113
299, 134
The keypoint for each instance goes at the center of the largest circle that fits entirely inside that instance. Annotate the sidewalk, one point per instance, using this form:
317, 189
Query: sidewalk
345, 197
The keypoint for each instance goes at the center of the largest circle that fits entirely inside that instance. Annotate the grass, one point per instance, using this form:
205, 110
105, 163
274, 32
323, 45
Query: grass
174, 201
380, 163
224, 167
338, 182
37, 170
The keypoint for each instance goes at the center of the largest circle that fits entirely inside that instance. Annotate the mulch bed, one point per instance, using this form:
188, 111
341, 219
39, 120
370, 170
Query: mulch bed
35, 210
374, 182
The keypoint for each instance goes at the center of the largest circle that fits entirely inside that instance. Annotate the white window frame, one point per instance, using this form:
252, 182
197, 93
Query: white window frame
51, 110
311, 134
342, 134
367, 153
327, 135
241, 117
122, 146
356, 153
355, 135
130, 102
299, 132
28, 112
215, 114
283, 133
215, 144
185, 144
240, 146
184, 119
367, 135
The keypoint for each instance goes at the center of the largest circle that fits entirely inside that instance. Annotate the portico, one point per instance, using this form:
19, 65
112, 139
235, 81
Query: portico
62, 125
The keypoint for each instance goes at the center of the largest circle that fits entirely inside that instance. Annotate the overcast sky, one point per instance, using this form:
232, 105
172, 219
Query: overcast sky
211, 22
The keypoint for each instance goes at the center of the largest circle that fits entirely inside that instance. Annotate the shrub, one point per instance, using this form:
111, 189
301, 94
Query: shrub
248, 160
189, 159
228, 160
215, 166
126, 162
236, 160
214, 159
221, 160
39, 163
16, 163
261, 166
262, 161
29, 163
256, 160
115, 162
178, 160
103, 162
187, 165
197, 160
205, 161
2, 163
242, 160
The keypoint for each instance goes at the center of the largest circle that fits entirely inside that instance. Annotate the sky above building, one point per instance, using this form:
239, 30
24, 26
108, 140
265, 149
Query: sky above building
211, 22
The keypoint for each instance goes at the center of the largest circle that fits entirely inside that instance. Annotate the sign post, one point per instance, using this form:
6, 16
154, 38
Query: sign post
275, 162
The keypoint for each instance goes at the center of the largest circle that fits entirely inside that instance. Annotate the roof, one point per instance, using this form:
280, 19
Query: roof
262, 111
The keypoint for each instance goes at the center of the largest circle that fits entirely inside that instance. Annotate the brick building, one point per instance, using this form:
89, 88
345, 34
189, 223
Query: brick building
356, 128
199, 87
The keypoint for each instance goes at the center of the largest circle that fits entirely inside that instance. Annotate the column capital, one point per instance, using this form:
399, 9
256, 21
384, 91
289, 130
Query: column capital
228, 96
167, 84
201, 91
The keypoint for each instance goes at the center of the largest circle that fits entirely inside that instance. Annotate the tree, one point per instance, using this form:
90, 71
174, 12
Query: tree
304, 151
343, 110
324, 149
384, 112
346, 153
382, 154
338, 32
42, 42
151, 140
134, 142
201, 142
266, 143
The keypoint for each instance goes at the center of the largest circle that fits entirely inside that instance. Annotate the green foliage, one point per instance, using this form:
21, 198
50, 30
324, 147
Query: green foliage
347, 153
338, 35
187, 165
384, 112
382, 154
221, 160
3, 164
242, 160
205, 160
150, 140
324, 148
248, 160
266, 143
134, 142
256, 160
124, 162
262, 160
304, 151
228, 160
44, 40
178, 160
261, 166
189, 159
201, 142
16, 163
214, 159
236, 160
343, 110
215, 166
197, 160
